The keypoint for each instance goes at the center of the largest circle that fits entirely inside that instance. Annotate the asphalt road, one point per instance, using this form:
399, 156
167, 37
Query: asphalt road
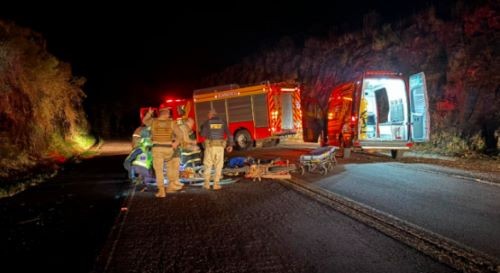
438, 199
62, 225
250, 227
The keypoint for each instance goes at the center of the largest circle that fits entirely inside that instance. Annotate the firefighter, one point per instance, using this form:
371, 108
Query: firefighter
213, 131
188, 137
164, 132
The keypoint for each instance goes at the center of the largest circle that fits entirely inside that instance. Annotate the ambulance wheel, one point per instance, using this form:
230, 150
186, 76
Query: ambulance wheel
276, 141
243, 140
347, 153
397, 154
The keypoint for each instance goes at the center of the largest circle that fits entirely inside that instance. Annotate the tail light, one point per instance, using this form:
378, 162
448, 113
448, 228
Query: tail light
353, 121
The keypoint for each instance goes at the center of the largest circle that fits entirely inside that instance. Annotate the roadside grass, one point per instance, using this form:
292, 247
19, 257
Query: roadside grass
20, 170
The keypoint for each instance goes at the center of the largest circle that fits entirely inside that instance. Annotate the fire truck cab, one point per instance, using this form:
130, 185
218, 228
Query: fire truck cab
381, 110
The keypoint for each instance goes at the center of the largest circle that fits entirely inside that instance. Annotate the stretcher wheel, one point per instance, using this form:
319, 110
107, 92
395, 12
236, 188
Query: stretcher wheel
323, 170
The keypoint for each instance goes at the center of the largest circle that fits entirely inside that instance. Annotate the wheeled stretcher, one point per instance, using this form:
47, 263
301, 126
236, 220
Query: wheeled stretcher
321, 160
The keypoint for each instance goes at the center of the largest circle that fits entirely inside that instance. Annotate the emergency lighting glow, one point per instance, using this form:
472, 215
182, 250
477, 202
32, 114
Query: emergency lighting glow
288, 89
83, 142
169, 100
330, 115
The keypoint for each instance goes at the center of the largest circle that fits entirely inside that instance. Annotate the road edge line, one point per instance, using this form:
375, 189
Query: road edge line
106, 253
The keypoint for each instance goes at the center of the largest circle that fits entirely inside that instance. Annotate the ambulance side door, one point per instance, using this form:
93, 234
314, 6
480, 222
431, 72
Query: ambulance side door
419, 108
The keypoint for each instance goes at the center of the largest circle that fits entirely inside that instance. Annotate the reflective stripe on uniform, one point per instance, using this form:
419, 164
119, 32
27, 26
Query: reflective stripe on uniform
142, 160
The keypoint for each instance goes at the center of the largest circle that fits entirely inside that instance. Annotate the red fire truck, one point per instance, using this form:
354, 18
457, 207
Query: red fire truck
380, 110
256, 115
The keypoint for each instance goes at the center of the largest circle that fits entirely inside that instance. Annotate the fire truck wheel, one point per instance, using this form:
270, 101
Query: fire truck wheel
243, 140
346, 151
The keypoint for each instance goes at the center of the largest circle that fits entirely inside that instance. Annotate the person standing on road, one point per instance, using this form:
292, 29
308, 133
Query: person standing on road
164, 132
215, 131
188, 141
189, 150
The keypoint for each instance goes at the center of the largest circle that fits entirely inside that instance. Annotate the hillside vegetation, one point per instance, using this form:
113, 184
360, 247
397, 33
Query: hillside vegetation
41, 114
459, 56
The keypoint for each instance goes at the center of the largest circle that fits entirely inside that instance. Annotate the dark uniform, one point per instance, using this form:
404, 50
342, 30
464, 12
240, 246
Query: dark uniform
213, 130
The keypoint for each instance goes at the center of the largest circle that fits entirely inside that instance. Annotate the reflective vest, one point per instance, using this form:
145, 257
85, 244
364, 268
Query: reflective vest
216, 129
143, 159
161, 131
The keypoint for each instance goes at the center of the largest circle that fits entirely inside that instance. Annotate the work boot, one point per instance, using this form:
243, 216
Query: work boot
206, 185
161, 193
172, 188
178, 184
217, 186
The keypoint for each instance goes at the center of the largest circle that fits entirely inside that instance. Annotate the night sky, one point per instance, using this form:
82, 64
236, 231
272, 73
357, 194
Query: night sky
153, 49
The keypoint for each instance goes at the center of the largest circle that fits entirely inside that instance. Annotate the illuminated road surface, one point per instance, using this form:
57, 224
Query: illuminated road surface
429, 196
